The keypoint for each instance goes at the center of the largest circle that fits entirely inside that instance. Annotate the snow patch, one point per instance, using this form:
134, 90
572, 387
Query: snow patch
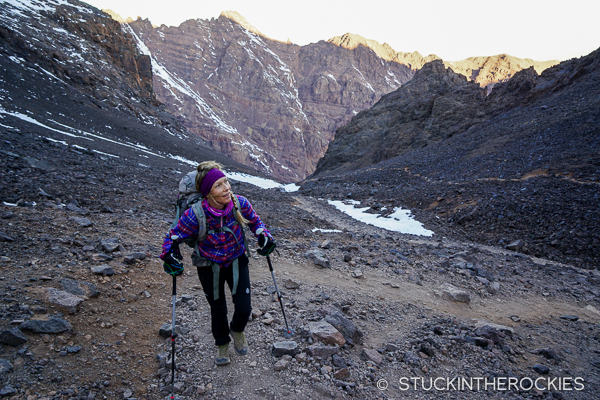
326, 230
400, 221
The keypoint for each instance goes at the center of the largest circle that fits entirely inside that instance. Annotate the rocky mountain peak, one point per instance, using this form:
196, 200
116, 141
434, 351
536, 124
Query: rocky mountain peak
265, 103
487, 71
437, 68
241, 21
412, 60
116, 16
351, 41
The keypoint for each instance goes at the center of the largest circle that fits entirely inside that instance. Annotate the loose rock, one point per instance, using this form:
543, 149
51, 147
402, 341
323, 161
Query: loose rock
318, 257
12, 337
284, 348
453, 293
64, 300
55, 324
326, 333
104, 270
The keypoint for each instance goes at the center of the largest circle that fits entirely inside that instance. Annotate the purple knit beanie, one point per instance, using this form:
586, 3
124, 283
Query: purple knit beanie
209, 180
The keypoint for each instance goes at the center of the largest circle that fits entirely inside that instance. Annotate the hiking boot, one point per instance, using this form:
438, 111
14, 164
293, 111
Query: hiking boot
240, 343
222, 357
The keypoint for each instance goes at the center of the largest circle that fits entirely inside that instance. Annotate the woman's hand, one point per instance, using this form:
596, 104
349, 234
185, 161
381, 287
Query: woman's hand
266, 245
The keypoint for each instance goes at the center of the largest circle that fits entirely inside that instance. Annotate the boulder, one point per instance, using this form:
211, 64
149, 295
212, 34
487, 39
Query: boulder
373, 356
324, 332
281, 364
291, 284
479, 323
515, 246
165, 330
110, 245
64, 300
411, 359
104, 270
7, 390
318, 257
572, 318
323, 352
79, 288
541, 369
5, 366
134, 257
338, 361
101, 256
342, 374
82, 222
347, 328
453, 293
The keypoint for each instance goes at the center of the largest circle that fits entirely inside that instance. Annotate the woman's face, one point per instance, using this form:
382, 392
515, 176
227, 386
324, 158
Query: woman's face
221, 191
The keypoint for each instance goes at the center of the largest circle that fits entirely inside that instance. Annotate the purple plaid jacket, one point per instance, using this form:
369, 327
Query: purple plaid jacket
221, 247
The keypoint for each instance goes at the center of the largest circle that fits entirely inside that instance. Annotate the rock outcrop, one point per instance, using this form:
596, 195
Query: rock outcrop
436, 104
85, 48
414, 60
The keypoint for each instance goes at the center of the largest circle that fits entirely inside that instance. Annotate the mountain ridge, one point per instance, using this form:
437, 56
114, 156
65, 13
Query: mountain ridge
284, 126
278, 102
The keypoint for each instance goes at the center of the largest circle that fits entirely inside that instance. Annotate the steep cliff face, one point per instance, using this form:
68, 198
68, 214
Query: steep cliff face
265, 103
437, 104
82, 46
558, 106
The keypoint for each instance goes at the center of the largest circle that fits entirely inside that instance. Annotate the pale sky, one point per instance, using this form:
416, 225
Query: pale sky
452, 29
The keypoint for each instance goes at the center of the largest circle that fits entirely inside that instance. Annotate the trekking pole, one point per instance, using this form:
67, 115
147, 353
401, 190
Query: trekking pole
289, 333
175, 247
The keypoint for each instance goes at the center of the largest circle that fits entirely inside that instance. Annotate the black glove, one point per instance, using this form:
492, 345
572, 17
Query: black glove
266, 245
172, 264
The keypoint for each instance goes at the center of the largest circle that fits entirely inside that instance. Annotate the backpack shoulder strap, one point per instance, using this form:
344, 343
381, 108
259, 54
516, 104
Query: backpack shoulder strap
177, 214
201, 217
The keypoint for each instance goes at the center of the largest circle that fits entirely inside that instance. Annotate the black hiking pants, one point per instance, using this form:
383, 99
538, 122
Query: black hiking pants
218, 308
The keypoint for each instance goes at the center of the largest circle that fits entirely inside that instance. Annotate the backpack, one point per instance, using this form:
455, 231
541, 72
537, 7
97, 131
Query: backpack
189, 198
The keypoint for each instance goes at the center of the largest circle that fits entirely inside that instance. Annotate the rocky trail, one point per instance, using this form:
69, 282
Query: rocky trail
84, 298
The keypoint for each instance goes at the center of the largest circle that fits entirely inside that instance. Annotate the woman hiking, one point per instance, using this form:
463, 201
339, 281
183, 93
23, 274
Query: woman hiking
221, 256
